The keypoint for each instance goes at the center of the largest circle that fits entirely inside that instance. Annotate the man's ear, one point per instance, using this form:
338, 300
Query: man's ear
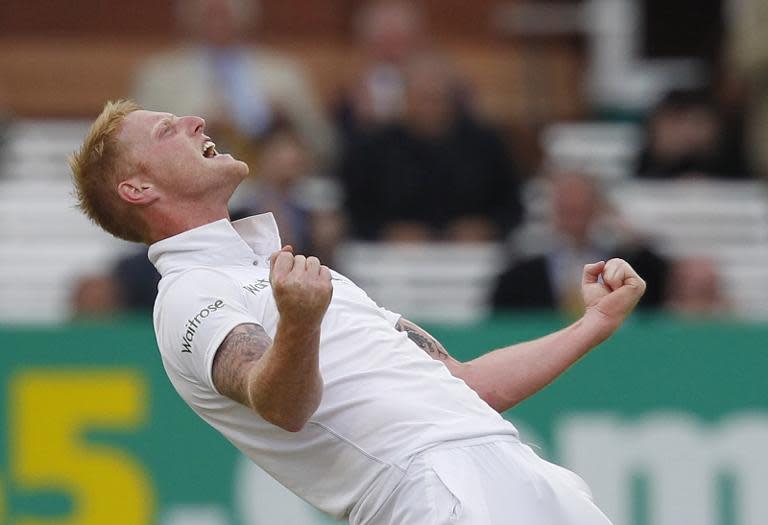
138, 192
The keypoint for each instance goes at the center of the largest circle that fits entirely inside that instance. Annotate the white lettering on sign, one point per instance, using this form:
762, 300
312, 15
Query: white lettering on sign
681, 458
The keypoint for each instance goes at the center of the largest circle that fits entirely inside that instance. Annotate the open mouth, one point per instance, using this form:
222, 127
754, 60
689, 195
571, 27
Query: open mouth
209, 149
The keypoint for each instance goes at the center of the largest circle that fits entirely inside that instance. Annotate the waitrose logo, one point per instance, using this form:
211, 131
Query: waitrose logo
195, 323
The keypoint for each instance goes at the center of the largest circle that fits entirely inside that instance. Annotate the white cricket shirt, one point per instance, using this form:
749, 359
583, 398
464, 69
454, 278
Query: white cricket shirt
384, 398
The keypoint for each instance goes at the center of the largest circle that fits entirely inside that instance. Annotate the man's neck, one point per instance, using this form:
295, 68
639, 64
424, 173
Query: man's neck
183, 217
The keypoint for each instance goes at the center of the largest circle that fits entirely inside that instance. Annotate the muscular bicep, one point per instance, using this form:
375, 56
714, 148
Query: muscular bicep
235, 359
427, 343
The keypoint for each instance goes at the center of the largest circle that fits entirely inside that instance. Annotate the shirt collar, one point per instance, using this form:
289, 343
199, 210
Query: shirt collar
217, 243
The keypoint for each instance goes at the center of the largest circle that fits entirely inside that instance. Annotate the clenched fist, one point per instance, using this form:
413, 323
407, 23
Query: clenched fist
616, 295
301, 286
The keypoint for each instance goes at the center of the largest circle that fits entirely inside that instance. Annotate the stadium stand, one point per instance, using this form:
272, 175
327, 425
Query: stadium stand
605, 149
46, 242
726, 222
433, 282
723, 221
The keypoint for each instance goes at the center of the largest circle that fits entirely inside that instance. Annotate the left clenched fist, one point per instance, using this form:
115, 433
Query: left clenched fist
613, 297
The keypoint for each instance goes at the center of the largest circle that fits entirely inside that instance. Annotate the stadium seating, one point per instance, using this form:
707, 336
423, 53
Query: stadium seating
428, 282
46, 243
723, 221
604, 149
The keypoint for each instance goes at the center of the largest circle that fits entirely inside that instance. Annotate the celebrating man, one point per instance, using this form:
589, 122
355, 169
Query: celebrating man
355, 409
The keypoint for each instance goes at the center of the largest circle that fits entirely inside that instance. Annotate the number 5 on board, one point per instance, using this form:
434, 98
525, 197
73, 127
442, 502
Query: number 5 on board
50, 413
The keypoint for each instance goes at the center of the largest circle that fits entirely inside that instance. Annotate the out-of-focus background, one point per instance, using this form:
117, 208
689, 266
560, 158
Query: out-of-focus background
461, 161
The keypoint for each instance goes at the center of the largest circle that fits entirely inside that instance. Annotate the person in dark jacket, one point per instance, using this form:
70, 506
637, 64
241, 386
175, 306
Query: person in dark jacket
582, 229
441, 174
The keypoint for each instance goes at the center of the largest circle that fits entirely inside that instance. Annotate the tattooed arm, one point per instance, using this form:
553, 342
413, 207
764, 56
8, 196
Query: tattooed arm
237, 354
509, 375
281, 382
280, 379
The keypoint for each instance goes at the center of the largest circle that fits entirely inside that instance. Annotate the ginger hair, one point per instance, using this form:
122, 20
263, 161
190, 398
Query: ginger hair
97, 169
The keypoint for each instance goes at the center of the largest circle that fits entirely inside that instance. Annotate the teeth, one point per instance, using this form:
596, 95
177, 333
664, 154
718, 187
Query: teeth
209, 149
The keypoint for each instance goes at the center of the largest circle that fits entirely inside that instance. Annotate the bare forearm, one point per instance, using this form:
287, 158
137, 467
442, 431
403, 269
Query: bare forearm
285, 387
506, 376
509, 375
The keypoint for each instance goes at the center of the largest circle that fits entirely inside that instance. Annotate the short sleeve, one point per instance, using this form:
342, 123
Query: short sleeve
193, 317
392, 317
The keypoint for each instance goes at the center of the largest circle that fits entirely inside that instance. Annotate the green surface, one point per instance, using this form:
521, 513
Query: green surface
701, 372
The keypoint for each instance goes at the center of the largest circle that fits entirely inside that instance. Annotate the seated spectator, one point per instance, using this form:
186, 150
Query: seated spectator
439, 175
305, 205
746, 62
241, 90
94, 297
583, 230
136, 280
390, 33
6, 118
130, 287
687, 137
695, 289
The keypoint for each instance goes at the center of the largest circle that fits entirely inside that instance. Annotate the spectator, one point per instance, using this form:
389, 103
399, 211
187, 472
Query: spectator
695, 289
305, 205
439, 175
94, 297
687, 136
390, 33
583, 230
6, 118
129, 287
242, 91
136, 280
748, 67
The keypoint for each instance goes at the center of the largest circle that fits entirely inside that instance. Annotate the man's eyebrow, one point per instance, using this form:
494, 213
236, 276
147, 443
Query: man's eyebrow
164, 121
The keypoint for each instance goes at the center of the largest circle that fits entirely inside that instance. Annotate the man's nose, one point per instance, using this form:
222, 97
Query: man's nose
195, 125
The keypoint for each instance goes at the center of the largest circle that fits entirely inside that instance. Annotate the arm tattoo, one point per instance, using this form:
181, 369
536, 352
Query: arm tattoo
237, 354
423, 340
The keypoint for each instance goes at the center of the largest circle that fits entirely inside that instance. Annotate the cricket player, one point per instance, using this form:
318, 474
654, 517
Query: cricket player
355, 409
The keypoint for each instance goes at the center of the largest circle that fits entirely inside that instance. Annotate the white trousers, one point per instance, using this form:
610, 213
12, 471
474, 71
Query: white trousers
501, 482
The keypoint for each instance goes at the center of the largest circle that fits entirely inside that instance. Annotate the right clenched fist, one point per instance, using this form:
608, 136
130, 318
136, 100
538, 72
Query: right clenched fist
301, 286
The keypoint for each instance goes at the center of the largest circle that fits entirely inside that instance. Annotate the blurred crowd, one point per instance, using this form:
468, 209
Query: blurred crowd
404, 156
